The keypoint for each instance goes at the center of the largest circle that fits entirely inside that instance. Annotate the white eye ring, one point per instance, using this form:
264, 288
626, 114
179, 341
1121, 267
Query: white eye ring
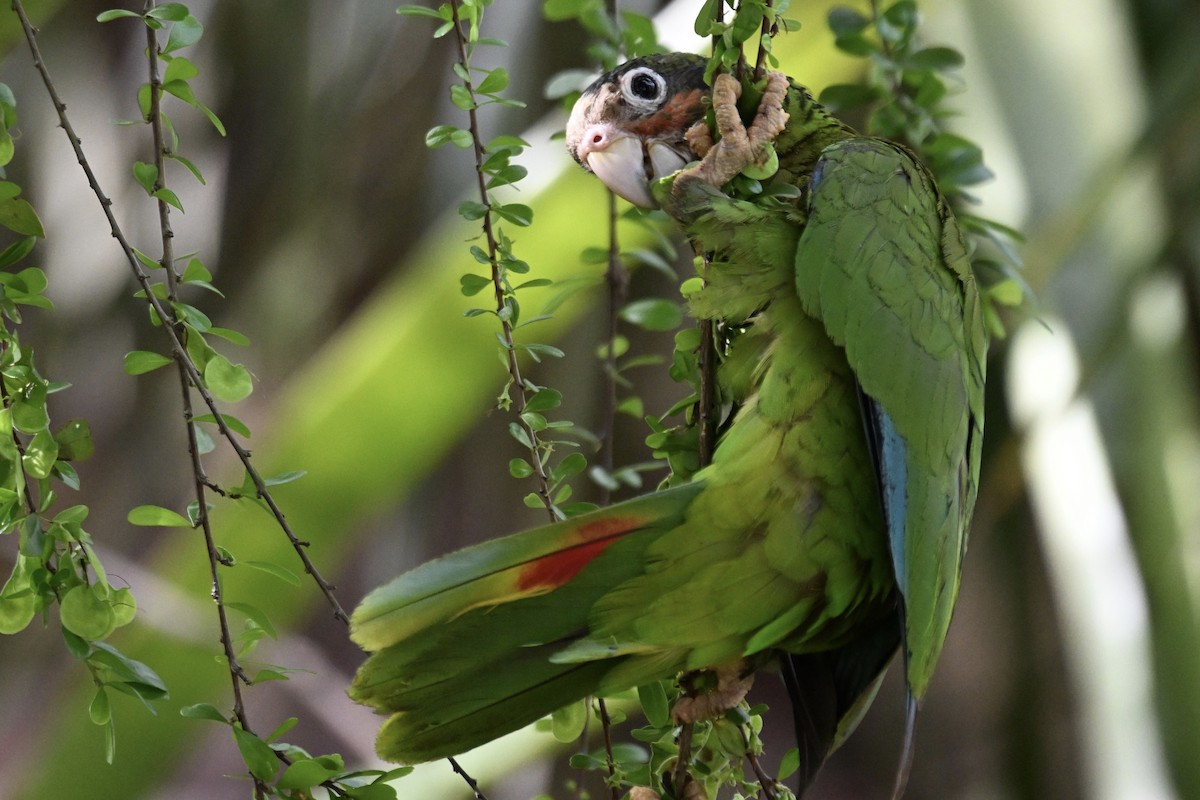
643, 88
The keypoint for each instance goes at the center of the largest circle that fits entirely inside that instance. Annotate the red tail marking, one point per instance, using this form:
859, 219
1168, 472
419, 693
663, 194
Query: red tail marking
556, 569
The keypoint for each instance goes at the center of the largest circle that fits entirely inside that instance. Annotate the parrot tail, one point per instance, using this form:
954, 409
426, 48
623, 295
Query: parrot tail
462, 645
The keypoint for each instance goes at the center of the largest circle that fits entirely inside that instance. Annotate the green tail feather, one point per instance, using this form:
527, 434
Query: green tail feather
481, 665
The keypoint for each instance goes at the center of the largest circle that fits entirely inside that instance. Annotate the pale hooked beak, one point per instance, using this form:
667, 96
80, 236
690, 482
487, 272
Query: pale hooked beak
620, 161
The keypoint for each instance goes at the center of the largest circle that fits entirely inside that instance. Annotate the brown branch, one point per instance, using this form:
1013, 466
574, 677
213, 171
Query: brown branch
237, 675
479, 795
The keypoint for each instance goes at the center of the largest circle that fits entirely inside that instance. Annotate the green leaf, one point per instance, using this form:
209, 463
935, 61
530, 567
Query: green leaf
203, 711
848, 96
570, 466
124, 605
17, 251
195, 271
473, 284
87, 615
192, 168
565, 82
653, 698
157, 516
472, 210
653, 314
75, 441
516, 213
116, 13
184, 33
19, 217
282, 728
519, 468
789, 764
568, 722
304, 774
169, 197
139, 362
255, 615
145, 682
18, 604
233, 423
227, 381
99, 711
8, 147
145, 260
171, 12
845, 21
40, 454
236, 337
145, 174
495, 81
283, 573
461, 97
520, 434
179, 69
934, 58
418, 11
543, 400
285, 477
259, 757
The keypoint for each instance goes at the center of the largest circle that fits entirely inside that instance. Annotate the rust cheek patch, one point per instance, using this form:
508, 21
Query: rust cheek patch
677, 115
559, 568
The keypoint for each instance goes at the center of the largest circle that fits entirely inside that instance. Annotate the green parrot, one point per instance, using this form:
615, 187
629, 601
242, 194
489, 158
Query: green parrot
830, 527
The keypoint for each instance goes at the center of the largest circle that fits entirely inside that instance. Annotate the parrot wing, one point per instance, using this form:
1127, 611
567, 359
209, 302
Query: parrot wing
882, 263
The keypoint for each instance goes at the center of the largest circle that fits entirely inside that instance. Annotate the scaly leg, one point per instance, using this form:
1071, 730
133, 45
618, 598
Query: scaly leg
739, 146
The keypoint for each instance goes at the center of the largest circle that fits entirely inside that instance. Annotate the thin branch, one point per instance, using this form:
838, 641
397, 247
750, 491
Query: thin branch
462, 773
178, 350
765, 781
514, 368
237, 675
609, 760
768, 29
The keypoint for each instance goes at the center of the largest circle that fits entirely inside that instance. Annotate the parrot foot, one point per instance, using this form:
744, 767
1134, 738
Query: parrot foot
733, 682
692, 790
739, 147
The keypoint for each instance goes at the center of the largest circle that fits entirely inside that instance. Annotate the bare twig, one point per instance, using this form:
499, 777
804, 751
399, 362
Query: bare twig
609, 760
760, 61
767, 782
462, 773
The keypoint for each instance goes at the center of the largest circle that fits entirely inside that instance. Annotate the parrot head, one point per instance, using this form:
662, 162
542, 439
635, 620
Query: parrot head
628, 127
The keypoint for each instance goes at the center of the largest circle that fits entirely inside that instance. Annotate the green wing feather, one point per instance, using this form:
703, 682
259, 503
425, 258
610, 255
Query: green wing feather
881, 262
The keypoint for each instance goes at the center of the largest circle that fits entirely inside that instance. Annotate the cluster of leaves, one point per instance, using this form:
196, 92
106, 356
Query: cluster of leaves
756, 23
55, 560
228, 382
904, 97
304, 772
217, 379
541, 438
717, 752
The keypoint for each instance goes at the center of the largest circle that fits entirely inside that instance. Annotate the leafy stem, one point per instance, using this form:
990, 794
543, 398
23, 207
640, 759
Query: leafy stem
464, 36
237, 676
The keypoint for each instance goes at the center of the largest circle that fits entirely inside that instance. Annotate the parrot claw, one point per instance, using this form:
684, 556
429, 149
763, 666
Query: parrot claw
733, 682
739, 146
692, 790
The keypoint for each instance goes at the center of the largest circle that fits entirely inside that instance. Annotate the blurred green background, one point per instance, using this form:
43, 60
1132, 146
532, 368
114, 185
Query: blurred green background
1073, 665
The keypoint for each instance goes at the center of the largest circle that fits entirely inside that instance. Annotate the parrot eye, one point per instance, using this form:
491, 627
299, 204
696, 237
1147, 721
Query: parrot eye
643, 87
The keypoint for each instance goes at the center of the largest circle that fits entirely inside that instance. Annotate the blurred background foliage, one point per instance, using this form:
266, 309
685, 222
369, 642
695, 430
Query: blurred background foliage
1073, 666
